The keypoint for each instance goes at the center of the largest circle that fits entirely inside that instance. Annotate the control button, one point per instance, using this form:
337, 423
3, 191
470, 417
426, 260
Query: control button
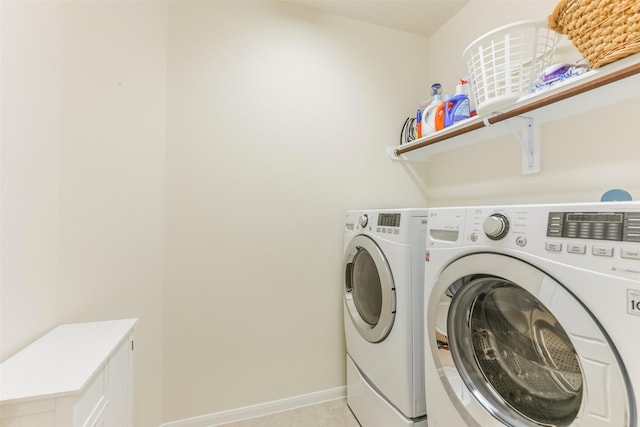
631, 254
396, 231
521, 241
599, 231
577, 249
554, 224
602, 251
632, 235
474, 237
495, 226
553, 247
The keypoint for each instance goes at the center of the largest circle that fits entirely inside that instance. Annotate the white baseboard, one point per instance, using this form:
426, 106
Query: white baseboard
261, 409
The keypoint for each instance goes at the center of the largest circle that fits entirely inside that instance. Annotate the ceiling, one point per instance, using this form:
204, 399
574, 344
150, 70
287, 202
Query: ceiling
415, 16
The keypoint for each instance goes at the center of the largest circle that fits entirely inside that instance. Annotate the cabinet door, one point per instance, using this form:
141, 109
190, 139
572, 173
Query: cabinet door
102, 418
120, 386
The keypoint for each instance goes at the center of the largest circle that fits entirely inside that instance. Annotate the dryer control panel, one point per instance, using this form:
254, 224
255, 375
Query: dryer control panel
397, 225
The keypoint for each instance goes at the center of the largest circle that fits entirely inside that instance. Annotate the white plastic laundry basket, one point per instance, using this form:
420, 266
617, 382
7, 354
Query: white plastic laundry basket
504, 63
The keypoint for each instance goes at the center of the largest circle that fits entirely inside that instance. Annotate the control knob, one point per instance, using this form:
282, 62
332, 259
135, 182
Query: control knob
496, 226
364, 220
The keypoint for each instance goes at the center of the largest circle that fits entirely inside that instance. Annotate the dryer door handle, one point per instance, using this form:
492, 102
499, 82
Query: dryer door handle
348, 282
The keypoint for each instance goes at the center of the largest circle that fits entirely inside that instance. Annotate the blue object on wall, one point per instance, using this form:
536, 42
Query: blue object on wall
616, 195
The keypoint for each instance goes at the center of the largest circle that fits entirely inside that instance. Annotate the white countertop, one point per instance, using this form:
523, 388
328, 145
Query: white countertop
62, 361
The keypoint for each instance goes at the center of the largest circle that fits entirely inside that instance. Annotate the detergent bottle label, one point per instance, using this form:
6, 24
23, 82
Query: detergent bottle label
457, 109
462, 112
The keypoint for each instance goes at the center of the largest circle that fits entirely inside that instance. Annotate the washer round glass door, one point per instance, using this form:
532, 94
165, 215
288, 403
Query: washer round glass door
369, 289
525, 348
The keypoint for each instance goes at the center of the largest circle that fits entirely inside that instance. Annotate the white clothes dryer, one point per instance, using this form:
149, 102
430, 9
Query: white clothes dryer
383, 317
533, 316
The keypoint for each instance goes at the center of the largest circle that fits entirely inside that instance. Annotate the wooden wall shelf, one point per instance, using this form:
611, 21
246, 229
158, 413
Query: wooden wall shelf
594, 89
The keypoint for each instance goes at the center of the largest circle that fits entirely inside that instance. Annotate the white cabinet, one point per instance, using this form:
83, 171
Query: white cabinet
77, 375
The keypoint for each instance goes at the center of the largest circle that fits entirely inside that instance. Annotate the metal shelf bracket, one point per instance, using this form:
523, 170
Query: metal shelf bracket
527, 134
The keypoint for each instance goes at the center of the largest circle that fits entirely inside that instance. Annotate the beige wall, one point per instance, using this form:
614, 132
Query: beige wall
582, 157
276, 127
30, 131
278, 122
189, 163
83, 123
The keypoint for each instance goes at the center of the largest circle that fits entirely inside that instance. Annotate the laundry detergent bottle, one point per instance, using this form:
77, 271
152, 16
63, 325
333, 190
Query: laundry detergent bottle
430, 111
468, 90
457, 108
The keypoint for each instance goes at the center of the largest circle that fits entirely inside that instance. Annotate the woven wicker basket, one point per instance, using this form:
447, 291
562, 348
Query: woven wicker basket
602, 30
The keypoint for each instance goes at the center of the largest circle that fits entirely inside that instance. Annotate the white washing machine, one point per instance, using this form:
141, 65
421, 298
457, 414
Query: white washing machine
383, 299
533, 316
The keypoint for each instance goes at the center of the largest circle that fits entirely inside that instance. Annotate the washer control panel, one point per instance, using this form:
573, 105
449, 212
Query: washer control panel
597, 236
616, 226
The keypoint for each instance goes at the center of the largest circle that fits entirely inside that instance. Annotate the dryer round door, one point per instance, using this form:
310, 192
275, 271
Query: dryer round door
524, 347
369, 289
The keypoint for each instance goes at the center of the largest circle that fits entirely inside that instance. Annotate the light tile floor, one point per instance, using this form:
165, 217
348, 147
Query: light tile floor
335, 413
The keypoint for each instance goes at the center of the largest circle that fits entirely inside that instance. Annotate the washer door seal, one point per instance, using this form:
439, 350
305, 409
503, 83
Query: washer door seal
369, 295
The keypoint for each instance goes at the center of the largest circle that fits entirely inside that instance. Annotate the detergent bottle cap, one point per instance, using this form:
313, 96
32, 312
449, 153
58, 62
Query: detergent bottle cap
436, 92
